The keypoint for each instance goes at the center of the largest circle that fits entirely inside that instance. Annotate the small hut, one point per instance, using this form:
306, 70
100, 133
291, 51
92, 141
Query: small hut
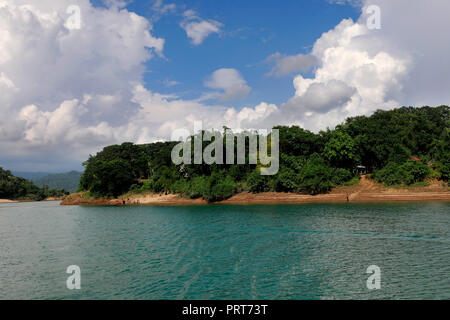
361, 169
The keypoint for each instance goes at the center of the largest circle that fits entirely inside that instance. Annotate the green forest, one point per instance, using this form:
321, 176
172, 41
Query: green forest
404, 147
61, 181
15, 188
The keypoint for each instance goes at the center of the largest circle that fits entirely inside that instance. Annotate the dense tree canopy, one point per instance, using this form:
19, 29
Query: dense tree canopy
310, 163
15, 188
340, 150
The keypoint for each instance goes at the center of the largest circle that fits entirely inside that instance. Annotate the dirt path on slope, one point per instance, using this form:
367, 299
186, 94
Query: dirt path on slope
365, 185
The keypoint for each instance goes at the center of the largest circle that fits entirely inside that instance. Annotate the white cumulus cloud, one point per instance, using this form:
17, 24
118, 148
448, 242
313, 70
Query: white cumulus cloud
44, 67
285, 65
198, 29
231, 82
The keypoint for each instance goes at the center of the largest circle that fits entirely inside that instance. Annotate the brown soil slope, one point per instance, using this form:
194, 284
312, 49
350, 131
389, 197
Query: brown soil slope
365, 191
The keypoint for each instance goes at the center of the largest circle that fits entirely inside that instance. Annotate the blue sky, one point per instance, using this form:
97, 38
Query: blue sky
137, 71
252, 31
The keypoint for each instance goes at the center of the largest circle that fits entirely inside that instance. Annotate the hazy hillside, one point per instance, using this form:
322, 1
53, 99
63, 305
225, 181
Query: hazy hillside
68, 181
30, 175
17, 188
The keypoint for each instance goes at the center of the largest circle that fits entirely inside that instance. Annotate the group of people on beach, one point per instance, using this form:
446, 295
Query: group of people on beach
123, 202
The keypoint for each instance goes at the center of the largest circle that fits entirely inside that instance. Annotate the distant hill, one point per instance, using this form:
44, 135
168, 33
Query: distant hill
17, 188
30, 175
68, 181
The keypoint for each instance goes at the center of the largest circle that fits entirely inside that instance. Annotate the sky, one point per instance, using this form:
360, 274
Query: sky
78, 75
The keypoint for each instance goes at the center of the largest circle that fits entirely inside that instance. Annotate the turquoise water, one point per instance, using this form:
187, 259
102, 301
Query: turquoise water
225, 252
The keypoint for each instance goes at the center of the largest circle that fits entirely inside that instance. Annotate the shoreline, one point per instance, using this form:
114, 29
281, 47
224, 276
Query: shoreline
271, 198
365, 191
8, 201
20, 201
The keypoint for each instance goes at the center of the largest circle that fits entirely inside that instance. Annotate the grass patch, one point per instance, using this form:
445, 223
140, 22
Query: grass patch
352, 182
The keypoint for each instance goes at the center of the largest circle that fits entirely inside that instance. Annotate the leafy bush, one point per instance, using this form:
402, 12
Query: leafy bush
146, 186
407, 173
415, 172
315, 176
444, 169
180, 187
295, 163
220, 192
156, 186
198, 187
389, 175
286, 181
341, 176
238, 173
219, 188
353, 181
257, 183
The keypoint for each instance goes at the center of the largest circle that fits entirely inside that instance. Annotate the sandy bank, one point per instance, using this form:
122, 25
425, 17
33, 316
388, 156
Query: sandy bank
148, 198
54, 199
365, 191
6, 201
266, 198
16, 201
288, 198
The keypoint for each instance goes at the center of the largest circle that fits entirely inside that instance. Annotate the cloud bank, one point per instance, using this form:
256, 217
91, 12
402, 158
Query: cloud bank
67, 93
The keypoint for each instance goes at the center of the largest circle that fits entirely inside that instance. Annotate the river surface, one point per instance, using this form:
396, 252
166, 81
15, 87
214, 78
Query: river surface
319, 251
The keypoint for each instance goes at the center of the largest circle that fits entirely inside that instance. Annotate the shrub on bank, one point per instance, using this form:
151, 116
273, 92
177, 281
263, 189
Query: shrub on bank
198, 187
316, 176
220, 187
257, 183
408, 173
